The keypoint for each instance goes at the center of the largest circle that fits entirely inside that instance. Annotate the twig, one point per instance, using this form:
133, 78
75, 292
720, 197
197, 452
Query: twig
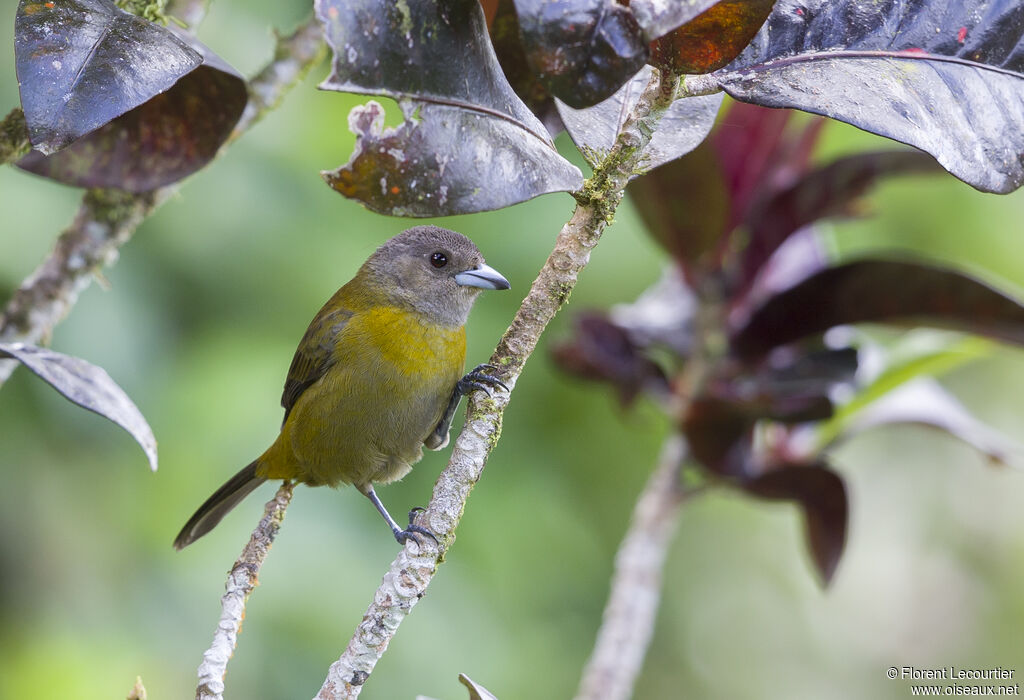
107, 219
629, 615
242, 579
414, 568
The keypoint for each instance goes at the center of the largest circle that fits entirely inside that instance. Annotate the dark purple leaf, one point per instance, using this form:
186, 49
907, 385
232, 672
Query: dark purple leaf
905, 293
582, 50
713, 38
720, 435
658, 17
821, 494
88, 386
824, 192
601, 350
682, 127
947, 78
664, 199
468, 142
140, 105
508, 46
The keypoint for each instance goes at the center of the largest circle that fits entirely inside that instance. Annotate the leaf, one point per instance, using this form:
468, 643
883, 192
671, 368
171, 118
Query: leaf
468, 142
583, 51
664, 199
658, 17
944, 77
925, 402
713, 38
601, 350
824, 192
720, 435
88, 386
508, 47
442, 161
115, 101
476, 691
821, 494
881, 291
683, 126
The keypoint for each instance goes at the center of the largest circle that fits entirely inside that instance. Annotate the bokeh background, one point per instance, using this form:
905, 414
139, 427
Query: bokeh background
198, 321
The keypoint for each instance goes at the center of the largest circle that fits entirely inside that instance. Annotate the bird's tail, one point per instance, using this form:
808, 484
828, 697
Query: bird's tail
218, 505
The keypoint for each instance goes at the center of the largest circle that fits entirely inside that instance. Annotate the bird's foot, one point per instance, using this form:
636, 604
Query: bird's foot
478, 379
411, 532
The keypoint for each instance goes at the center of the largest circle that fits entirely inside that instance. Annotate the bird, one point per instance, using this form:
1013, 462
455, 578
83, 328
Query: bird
376, 377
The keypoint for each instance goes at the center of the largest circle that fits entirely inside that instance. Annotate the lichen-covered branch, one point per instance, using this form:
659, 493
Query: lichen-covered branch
107, 219
629, 615
13, 137
411, 572
242, 579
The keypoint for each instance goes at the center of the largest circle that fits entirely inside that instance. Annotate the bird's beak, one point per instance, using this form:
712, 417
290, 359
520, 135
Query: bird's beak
485, 277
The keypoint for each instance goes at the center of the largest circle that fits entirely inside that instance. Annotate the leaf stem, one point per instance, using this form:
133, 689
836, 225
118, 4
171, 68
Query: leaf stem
14, 143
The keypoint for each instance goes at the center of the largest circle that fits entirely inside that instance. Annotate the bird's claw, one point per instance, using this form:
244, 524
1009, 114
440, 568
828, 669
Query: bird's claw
478, 379
409, 533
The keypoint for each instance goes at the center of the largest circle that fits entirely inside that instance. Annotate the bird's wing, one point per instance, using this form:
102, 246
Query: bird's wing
314, 355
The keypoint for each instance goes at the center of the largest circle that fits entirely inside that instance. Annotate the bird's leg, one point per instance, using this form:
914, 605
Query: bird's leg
402, 536
478, 379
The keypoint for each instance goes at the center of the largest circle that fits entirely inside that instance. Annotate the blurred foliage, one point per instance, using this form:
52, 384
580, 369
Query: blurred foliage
198, 325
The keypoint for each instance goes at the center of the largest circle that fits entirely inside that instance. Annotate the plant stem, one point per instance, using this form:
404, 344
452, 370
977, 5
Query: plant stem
242, 580
629, 615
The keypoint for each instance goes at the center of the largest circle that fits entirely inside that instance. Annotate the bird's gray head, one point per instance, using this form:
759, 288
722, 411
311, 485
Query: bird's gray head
433, 271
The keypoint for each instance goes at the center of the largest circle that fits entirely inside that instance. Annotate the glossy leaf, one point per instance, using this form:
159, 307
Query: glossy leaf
140, 105
468, 142
881, 291
88, 386
582, 50
828, 191
947, 78
81, 63
821, 494
713, 38
682, 128
658, 17
601, 350
445, 160
508, 47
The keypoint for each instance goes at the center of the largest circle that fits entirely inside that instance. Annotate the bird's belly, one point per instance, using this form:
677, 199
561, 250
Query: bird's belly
365, 421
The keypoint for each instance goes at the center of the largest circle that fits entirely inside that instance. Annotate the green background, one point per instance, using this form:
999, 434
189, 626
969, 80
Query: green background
198, 321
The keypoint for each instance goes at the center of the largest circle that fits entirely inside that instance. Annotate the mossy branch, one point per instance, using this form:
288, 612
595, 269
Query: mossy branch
414, 568
14, 143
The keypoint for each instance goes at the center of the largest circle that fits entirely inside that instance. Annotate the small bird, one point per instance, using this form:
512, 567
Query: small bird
376, 377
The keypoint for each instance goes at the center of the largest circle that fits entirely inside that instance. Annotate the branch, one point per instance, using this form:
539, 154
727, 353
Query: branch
629, 615
242, 580
414, 567
107, 219
14, 143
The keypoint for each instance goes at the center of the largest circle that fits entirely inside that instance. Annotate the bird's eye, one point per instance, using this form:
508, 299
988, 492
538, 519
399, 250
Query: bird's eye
439, 259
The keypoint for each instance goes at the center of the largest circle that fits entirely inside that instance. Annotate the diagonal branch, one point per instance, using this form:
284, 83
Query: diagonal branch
242, 580
107, 219
411, 572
